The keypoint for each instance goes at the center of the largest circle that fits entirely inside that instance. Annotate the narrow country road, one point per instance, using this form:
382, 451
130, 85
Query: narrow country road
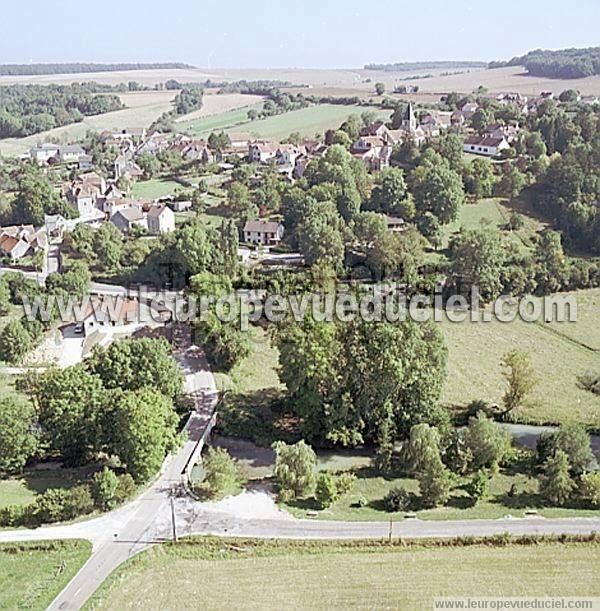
120, 534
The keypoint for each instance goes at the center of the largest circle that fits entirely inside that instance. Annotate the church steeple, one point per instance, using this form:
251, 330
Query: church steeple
409, 121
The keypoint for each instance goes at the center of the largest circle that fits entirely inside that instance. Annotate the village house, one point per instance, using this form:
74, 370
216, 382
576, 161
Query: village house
197, 150
55, 225
103, 317
500, 130
111, 205
468, 109
377, 128
85, 162
266, 233
394, 224
125, 166
126, 219
181, 205
44, 152
70, 153
161, 219
373, 151
83, 193
129, 133
262, 151
155, 143
487, 145
238, 144
287, 154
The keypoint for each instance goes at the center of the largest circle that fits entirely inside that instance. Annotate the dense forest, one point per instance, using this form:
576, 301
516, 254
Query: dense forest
30, 109
74, 68
433, 65
564, 63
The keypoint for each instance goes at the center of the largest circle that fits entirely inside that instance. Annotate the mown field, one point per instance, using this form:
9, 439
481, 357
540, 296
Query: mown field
33, 574
236, 574
306, 121
143, 108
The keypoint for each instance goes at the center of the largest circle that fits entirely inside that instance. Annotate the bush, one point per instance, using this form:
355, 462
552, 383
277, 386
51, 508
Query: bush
345, 482
478, 487
556, 485
125, 489
222, 473
590, 487
487, 441
397, 499
78, 501
105, 484
435, 484
326, 491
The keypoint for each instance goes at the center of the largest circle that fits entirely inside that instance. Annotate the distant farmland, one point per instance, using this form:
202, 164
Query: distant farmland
306, 121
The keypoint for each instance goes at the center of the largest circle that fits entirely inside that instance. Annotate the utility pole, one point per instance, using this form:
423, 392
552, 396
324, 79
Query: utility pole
390, 533
173, 519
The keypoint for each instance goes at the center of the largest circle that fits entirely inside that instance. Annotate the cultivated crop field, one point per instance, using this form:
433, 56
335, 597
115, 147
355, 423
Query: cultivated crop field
311, 575
32, 574
143, 108
215, 104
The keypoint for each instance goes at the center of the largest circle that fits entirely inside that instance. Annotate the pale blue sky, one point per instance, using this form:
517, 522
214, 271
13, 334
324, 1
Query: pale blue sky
301, 33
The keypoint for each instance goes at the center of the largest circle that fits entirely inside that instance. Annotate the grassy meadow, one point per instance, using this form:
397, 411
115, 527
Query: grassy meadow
33, 574
154, 188
476, 349
306, 121
324, 575
22, 489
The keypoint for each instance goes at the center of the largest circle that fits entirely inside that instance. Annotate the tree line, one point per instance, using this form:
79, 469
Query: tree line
563, 63
77, 67
30, 109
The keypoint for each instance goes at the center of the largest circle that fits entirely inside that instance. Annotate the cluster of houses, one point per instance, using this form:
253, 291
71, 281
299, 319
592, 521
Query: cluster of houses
376, 141
94, 199
19, 241
69, 154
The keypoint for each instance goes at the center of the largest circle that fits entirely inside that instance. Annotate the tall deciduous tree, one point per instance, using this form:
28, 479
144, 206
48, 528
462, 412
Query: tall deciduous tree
143, 430
18, 441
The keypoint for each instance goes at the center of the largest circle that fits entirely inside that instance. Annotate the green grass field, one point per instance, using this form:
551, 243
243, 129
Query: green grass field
242, 574
493, 212
217, 122
33, 574
306, 121
154, 188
